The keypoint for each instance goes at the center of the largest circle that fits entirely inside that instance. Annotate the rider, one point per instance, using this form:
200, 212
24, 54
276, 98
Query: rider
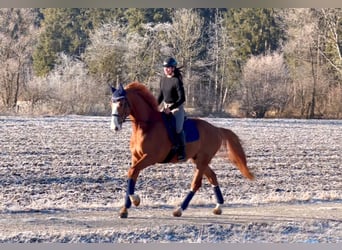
172, 95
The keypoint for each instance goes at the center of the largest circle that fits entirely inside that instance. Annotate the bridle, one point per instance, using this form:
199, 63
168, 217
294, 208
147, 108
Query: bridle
121, 118
126, 109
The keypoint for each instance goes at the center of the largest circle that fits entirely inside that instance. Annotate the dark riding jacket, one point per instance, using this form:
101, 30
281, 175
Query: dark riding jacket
171, 91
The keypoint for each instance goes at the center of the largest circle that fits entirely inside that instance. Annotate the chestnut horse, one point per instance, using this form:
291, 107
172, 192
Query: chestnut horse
150, 144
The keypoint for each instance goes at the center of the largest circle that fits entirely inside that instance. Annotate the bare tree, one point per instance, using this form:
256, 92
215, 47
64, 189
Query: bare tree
331, 52
143, 53
17, 38
300, 50
116, 55
265, 80
68, 89
314, 56
104, 55
331, 22
184, 39
221, 85
76, 90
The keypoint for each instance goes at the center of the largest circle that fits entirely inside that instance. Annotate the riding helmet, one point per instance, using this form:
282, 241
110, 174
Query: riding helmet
170, 62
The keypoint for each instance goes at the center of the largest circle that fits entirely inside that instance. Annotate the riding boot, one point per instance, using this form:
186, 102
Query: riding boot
181, 146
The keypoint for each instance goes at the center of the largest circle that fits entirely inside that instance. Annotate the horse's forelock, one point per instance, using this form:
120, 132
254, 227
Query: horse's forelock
143, 91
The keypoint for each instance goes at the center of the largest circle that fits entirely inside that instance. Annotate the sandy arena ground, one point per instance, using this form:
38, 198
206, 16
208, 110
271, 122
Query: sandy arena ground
63, 179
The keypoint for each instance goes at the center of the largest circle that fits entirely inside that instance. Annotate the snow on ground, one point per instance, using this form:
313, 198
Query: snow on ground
63, 179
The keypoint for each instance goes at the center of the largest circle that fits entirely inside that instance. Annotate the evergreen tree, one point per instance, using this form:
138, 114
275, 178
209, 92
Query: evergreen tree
61, 33
67, 30
136, 17
254, 31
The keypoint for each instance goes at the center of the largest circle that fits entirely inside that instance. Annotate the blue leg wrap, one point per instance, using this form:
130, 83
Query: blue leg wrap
187, 200
128, 202
218, 195
130, 190
130, 186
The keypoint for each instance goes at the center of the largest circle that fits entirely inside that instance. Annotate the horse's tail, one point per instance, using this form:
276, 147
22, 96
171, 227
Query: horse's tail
235, 152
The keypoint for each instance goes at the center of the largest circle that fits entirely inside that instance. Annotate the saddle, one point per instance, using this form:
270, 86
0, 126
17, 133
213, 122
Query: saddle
189, 128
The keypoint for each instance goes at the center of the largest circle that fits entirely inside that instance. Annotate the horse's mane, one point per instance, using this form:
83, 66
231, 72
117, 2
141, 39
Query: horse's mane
142, 90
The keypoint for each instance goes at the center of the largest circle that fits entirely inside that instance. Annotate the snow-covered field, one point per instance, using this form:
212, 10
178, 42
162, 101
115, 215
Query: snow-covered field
63, 179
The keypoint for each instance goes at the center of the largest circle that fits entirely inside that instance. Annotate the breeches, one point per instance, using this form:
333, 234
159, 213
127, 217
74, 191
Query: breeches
179, 115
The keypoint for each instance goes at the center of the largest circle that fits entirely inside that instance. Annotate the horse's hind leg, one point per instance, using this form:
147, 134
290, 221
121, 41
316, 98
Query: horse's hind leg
195, 185
211, 176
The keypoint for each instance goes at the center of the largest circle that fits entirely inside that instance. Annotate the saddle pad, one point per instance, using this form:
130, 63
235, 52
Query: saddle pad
191, 131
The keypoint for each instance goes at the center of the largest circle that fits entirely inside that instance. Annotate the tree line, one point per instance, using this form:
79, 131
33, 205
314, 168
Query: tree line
259, 62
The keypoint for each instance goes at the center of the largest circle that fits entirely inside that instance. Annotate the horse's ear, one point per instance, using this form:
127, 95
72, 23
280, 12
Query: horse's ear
113, 89
121, 86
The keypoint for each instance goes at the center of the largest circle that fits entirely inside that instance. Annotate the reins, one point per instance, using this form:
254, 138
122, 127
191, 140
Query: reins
125, 118
121, 94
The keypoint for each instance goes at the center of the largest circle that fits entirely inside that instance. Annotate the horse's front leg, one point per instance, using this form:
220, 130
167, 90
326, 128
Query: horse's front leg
129, 198
133, 174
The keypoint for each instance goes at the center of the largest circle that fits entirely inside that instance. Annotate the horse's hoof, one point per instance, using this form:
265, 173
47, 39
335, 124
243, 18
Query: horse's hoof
217, 210
135, 199
177, 212
123, 213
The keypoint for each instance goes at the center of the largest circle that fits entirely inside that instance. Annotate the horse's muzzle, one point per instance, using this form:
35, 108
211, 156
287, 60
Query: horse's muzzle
115, 124
115, 128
